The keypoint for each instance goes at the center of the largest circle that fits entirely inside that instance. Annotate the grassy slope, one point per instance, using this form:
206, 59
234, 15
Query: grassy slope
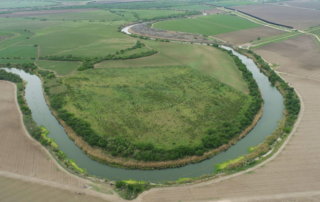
167, 106
207, 25
203, 58
60, 67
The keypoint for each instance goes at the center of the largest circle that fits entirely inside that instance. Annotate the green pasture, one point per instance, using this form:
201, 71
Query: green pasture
148, 14
15, 61
192, 7
86, 15
24, 4
19, 51
207, 25
317, 32
230, 3
60, 67
166, 106
209, 60
17, 38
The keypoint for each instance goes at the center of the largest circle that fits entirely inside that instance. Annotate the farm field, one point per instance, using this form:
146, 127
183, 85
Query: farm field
303, 4
34, 13
317, 32
192, 7
20, 190
162, 113
248, 35
203, 58
207, 25
20, 154
23, 4
230, 3
295, 17
16, 61
298, 56
148, 14
60, 67
20, 51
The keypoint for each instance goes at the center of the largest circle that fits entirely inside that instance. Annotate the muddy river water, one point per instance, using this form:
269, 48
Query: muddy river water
272, 113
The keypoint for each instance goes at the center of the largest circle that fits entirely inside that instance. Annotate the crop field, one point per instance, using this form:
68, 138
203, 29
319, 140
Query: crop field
19, 152
303, 4
317, 32
149, 14
17, 38
298, 56
207, 25
248, 35
166, 106
295, 17
15, 61
192, 7
20, 51
230, 3
23, 4
60, 67
19, 190
203, 58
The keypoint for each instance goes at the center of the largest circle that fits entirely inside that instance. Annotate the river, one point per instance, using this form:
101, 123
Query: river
272, 113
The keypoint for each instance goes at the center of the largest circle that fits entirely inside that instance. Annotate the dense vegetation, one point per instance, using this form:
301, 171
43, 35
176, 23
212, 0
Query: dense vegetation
121, 136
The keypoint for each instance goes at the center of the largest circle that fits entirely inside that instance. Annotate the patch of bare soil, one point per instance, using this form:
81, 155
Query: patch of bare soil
42, 12
248, 35
213, 11
286, 15
299, 56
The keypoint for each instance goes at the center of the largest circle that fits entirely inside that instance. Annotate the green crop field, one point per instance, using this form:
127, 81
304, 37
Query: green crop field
23, 4
207, 25
16, 61
148, 14
203, 58
193, 7
20, 51
317, 32
166, 106
231, 3
60, 67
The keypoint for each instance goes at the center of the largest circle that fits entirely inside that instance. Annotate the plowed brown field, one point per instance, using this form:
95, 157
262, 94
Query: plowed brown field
22, 158
247, 35
295, 17
299, 56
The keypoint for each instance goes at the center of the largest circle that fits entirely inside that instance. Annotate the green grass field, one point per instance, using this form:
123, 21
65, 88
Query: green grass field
20, 51
317, 32
16, 61
61, 68
203, 58
230, 3
207, 25
24, 4
148, 14
166, 106
193, 7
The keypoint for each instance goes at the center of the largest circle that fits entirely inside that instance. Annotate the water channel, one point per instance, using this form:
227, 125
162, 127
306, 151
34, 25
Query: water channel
272, 113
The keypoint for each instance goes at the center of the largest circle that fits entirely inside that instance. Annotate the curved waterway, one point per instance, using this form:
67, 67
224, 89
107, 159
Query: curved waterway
272, 113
